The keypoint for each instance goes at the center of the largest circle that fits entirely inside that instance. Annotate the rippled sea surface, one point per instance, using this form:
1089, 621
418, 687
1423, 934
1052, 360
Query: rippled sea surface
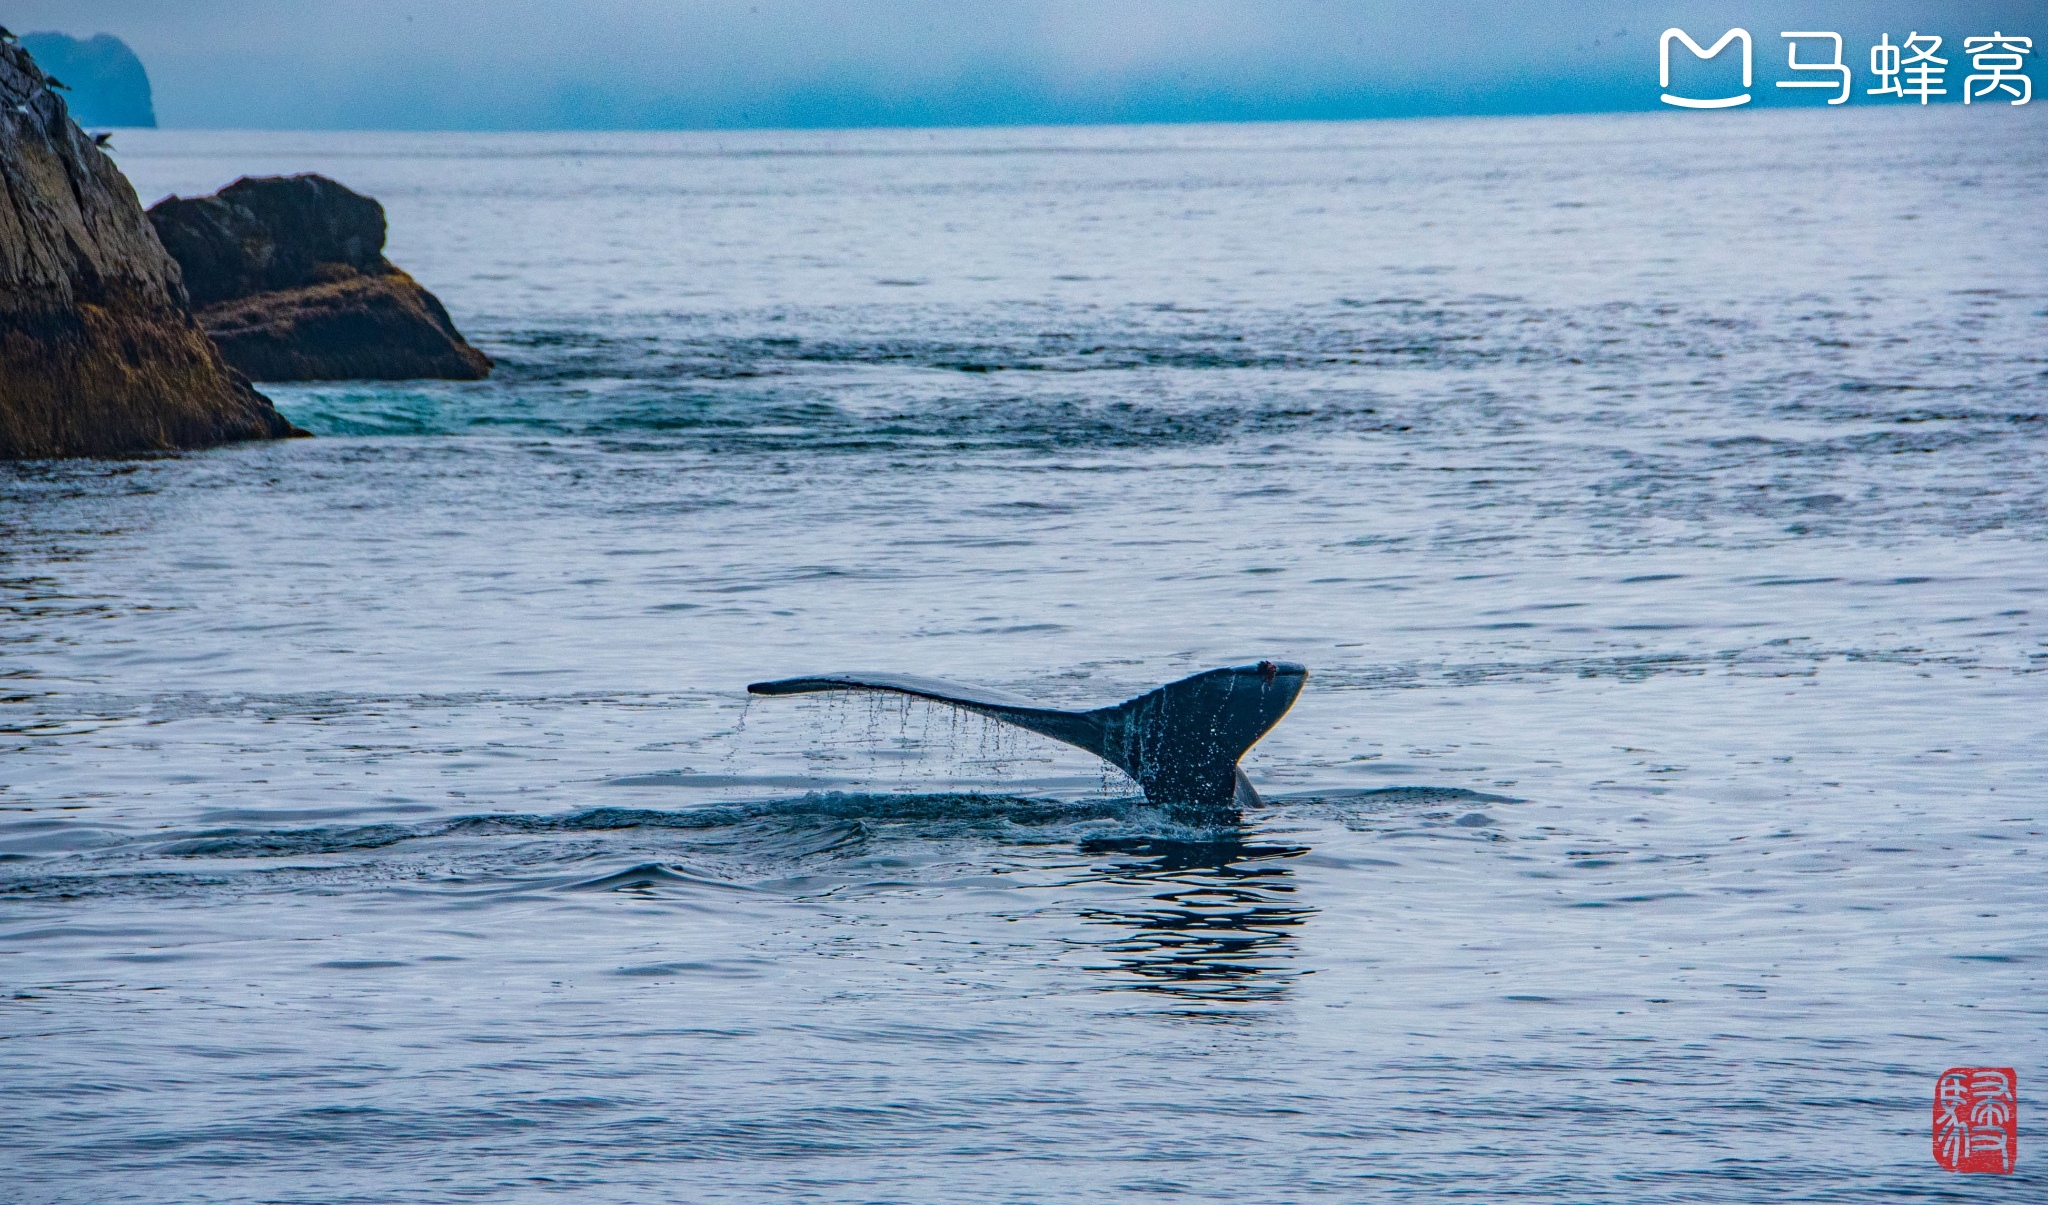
1658, 501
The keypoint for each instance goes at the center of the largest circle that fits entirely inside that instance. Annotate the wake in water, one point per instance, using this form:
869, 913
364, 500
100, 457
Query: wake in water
729, 845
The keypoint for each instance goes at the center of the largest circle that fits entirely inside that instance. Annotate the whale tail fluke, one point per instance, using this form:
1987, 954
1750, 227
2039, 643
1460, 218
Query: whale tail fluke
1180, 743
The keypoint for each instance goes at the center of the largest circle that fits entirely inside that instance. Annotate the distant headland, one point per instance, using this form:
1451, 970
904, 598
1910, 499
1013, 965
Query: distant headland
108, 84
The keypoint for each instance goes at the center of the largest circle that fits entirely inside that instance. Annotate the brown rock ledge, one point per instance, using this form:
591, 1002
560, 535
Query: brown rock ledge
383, 327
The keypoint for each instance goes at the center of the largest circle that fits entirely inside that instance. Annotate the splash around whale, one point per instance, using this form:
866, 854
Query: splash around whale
1180, 743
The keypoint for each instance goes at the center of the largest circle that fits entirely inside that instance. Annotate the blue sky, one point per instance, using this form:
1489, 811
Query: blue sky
694, 64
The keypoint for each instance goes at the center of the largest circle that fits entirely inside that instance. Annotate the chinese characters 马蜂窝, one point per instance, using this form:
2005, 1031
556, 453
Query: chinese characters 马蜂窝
1908, 70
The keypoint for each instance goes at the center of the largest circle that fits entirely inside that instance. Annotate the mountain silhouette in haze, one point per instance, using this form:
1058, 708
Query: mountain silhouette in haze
108, 84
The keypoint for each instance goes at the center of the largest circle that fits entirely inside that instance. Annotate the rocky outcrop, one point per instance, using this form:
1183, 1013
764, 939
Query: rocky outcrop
99, 354
289, 277
262, 234
384, 328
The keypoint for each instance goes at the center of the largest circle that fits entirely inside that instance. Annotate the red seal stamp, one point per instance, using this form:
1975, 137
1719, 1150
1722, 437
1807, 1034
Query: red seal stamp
1977, 1119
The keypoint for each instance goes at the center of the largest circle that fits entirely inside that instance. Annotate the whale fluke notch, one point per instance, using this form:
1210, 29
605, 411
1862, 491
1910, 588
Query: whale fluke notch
1179, 743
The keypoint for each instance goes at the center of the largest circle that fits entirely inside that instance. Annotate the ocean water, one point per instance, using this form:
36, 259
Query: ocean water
1658, 501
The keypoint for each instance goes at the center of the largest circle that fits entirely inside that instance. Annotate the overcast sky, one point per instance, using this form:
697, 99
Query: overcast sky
677, 64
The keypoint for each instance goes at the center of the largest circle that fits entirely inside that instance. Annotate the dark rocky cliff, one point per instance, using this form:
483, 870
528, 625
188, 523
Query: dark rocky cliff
262, 234
289, 277
108, 84
98, 351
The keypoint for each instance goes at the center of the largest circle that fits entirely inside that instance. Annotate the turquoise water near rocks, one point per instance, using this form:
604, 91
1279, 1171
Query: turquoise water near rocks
1658, 501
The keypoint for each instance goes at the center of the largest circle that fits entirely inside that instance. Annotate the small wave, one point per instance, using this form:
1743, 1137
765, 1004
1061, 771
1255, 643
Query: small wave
946, 808
651, 877
833, 814
1389, 796
243, 843
713, 781
727, 969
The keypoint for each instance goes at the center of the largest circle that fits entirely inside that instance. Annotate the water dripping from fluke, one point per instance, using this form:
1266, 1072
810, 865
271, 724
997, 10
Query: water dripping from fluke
1179, 743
